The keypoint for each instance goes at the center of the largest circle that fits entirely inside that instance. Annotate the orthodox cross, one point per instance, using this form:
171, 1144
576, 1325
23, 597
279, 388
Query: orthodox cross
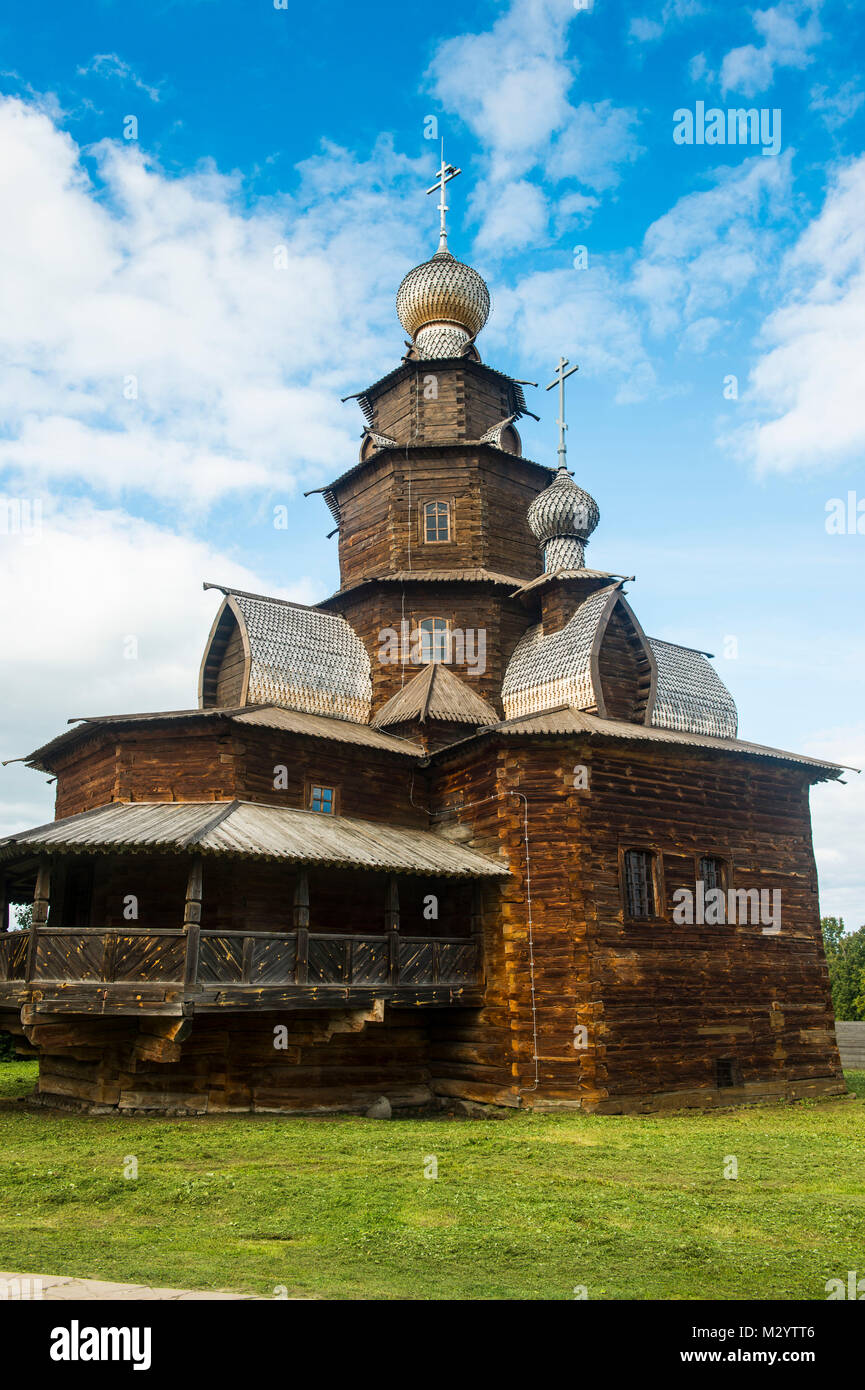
445, 174
559, 380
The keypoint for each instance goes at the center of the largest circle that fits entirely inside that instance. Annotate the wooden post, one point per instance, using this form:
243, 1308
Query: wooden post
301, 927
41, 901
477, 927
192, 921
391, 926
4, 904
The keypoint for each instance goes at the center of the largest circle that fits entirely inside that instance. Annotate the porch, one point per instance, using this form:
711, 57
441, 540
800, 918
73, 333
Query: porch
238, 929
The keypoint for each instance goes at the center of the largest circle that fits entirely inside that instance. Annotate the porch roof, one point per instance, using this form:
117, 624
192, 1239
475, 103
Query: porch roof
248, 830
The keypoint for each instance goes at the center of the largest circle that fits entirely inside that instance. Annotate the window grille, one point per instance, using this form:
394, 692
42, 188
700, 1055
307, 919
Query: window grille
712, 872
639, 883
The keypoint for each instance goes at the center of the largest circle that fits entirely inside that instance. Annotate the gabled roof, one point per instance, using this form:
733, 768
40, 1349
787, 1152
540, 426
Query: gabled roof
295, 656
436, 693
548, 669
563, 667
691, 696
249, 830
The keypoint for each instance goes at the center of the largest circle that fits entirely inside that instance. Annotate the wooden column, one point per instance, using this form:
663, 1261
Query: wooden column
4, 904
477, 927
192, 921
301, 927
391, 926
41, 901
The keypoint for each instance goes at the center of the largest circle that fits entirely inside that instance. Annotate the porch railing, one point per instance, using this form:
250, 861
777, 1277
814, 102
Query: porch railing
208, 959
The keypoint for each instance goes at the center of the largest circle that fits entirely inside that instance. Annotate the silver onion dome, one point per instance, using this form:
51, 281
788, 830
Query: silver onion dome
563, 517
442, 304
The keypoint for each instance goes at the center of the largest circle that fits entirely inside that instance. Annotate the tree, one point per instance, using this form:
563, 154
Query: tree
845, 955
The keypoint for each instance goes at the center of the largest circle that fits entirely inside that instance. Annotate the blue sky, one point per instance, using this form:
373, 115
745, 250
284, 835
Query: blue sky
166, 386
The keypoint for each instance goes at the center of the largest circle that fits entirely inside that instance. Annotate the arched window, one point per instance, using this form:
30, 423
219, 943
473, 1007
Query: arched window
434, 640
436, 522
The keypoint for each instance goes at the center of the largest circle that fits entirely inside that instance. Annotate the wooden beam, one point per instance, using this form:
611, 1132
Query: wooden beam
391, 926
301, 926
192, 919
41, 903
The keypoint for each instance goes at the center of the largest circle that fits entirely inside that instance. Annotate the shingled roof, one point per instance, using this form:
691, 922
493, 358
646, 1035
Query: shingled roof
562, 667
292, 655
436, 693
248, 830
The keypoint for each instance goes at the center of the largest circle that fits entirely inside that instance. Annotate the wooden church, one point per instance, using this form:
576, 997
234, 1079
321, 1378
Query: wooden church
434, 838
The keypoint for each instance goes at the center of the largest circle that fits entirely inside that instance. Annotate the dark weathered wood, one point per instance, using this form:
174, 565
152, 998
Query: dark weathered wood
41, 903
192, 920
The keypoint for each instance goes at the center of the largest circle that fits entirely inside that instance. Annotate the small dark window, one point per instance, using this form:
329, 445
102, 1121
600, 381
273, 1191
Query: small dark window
639, 883
321, 799
437, 521
725, 1072
712, 872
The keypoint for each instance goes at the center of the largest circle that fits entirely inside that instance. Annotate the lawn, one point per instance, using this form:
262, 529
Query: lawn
523, 1207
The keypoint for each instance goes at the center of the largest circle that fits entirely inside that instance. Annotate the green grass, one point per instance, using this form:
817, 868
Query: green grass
523, 1207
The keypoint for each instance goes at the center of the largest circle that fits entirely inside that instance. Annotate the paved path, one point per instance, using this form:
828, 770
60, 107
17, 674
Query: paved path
56, 1286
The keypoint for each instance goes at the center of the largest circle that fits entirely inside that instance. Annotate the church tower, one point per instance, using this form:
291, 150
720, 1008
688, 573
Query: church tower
462, 830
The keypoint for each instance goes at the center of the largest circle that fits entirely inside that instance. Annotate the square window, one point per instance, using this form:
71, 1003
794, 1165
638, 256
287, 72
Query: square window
321, 799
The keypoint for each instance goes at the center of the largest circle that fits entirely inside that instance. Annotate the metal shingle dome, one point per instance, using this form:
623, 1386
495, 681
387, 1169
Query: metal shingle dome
563, 509
442, 304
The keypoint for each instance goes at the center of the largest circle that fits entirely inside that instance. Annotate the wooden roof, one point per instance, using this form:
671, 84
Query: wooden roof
248, 830
436, 693
270, 716
565, 721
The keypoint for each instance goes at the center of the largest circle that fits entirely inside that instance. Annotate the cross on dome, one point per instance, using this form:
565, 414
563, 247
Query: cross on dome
445, 174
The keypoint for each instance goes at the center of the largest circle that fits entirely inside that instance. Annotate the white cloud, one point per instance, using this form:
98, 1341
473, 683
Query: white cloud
71, 594
836, 107
672, 12
806, 391
112, 65
587, 316
513, 216
512, 86
786, 44
837, 814
712, 245
238, 364
597, 139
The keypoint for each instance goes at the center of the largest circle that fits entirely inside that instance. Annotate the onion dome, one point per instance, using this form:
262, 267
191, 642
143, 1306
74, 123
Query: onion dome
442, 304
562, 518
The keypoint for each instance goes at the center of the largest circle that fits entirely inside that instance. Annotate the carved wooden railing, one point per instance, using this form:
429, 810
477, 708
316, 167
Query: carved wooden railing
206, 959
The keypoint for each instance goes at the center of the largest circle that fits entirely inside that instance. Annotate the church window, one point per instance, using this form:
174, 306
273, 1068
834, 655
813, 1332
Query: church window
725, 1071
434, 640
436, 522
639, 874
321, 799
713, 872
